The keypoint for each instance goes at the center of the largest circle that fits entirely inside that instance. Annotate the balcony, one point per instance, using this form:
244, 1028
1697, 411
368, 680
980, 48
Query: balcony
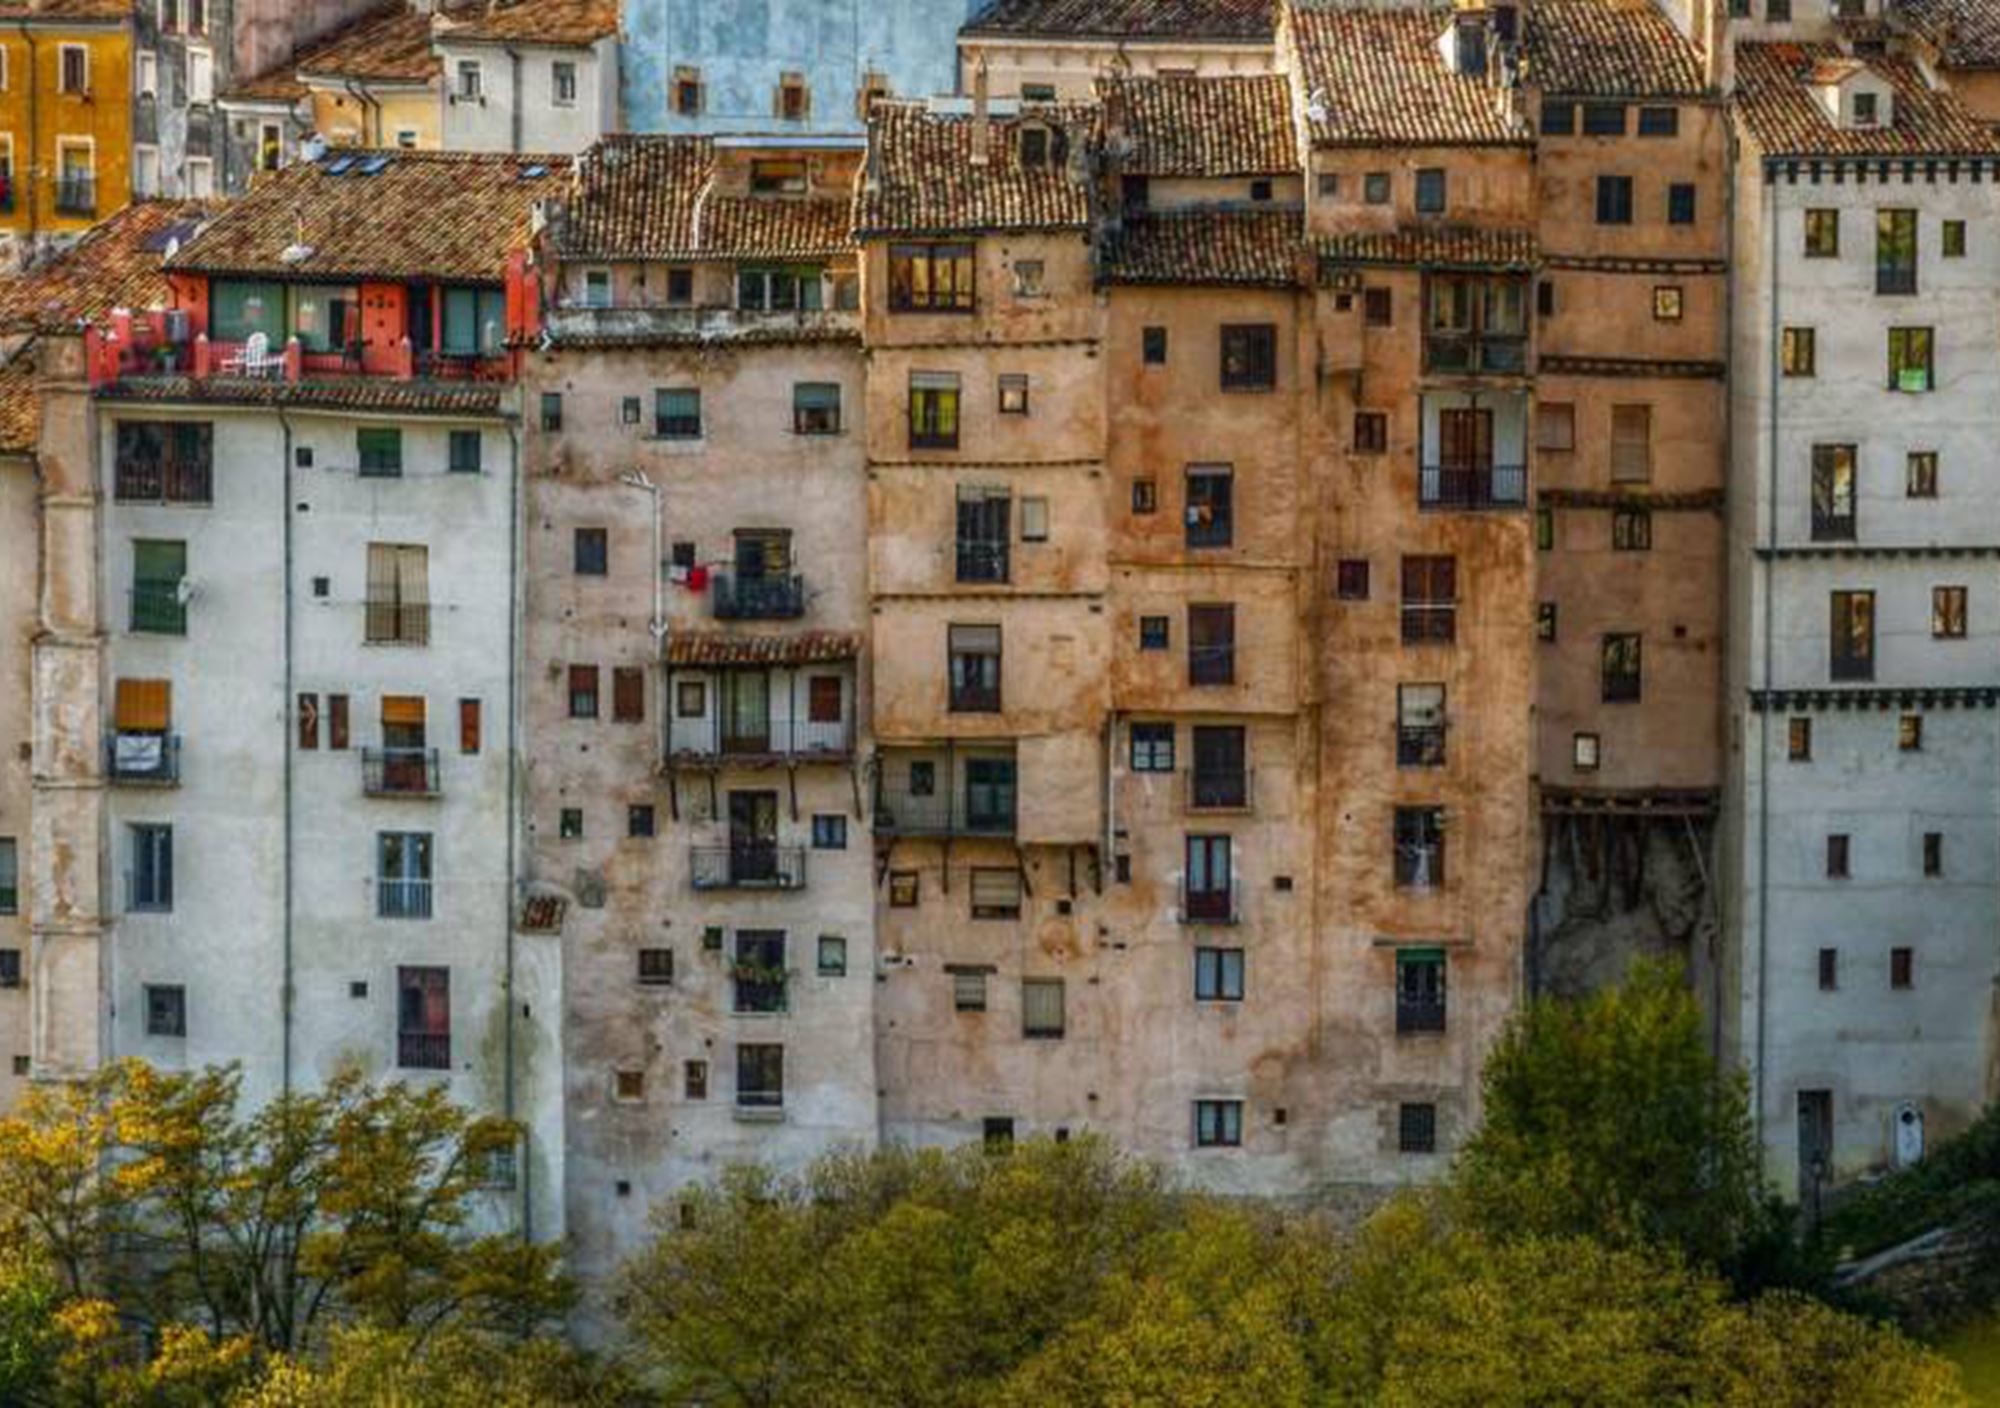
1895, 278
747, 867
1418, 1014
1212, 664
1475, 325
1218, 791
775, 598
942, 796
1473, 486
982, 561
640, 325
403, 899
1472, 354
397, 623
1420, 745
170, 481
157, 609
400, 772
143, 759
1212, 906
76, 195
423, 1051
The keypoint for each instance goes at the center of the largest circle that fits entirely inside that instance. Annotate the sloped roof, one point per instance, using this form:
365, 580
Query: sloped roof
1233, 126
20, 408
1610, 48
1200, 247
727, 648
441, 215
653, 198
116, 265
1381, 82
1966, 33
1434, 246
372, 393
45, 11
1244, 20
1776, 104
569, 24
390, 45
921, 178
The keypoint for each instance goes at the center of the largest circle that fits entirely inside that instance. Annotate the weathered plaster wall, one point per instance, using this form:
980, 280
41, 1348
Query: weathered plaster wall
520, 111
20, 580
1072, 67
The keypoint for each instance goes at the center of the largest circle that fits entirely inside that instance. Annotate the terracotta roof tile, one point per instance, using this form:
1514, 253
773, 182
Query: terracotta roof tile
392, 44
59, 10
1247, 20
570, 24
1777, 105
116, 265
1436, 246
921, 178
651, 198
441, 215
348, 393
20, 406
725, 648
1235, 126
1966, 33
1208, 247
1380, 81
1610, 48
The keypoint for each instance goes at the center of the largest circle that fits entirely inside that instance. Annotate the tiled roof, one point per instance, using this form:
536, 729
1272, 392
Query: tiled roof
723, 648
1234, 126
569, 24
439, 215
14, 11
115, 265
921, 178
391, 44
20, 407
1965, 32
1379, 81
1208, 247
1439, 246
1245, 20
1776, 103
346, 394
1609, 48
651, 198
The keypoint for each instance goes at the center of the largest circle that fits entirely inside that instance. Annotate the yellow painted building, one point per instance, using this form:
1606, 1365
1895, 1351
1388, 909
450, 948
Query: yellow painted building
65, 114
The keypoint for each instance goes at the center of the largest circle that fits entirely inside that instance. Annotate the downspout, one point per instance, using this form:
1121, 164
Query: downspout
34, 134
366, 101
1764, 714
514, 104
1728, 455
285, 716
508, 1099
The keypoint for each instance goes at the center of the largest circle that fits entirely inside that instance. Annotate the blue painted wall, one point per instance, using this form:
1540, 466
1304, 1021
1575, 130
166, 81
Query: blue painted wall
741, 46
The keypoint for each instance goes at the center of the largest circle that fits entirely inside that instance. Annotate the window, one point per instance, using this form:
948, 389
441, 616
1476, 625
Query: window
677, 412
794, 99
1910, 733
1545, 297
159, 571
597, 288
464, 452
1836, 857
591, 552
829, 832
1852, 644
1038, 92
974, 661
687, 92
934, 410
1953, 239
825, 699
628, 695
166, 1010
1218, 974
1586, 751
200, 76
1260, 190
73, 69
1212, 644
423, 1018
1041, 1007
1378, 309
1631, 444
380, 449
1948, 613
832, 956
1430, 190
468, 726
1545, 621
1895, 251
1013, 394
10, 968
639, 820
1833, 493
10, 875
1419, 844
1631, 530
403, 875
1797, 354
815, 408
1558, 119
1829, 969
1152, 747
1416, 1128
1221, 775
1371, 432
1430, 600
1920, 474
552, 419
996, 1134
1035, 520
1420, 990
1667, 303
152, 877
1350, 579
1614, 200
1822, 234
147, 83
680, 287
1209, 519
1420, 725
1798, 740
562, 83
759, 971
1375, 188
931, 278
469, 86
1902, 966
1680, 203
760, 1076
691, 699
1659, 122
336, 721
968, 989
1604, 119
145, 169
780, 290
1555, 426
1249, 356
628, 1086
396, 610
1218, 1124
996, 892
1933, 854
1620, 668
583, 691
1153, 346
1910, 359
985, 533
1145, 496
694, 1080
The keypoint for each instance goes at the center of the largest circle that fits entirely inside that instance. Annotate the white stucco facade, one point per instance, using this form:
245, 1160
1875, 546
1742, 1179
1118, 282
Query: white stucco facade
527, 97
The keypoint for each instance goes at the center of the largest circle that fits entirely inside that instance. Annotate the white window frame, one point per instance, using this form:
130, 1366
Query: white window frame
200, 190
142, 154
202, 62
556, 98
62, 64
406, 139
468, 92
149, 74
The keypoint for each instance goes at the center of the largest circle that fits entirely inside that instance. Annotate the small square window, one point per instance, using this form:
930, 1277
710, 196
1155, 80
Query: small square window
656, 967
694, 1080
1902, 968
832, 956
1555, 426
680, 286
968, 990
1260, 189
1631, 530
1798, 740
1585, 751
996, 892
1377, 308
1218, 1124
1013, 394
1329, 183
639, 821
1152, 747
1375, 188
1153, 344
1667, 303
1920, 474
1430, 190
571, 825
1351, 579
1371, 432
1798, 356
592, 552
829, 832
1416, 1128
996, 1134
1659, 122
629, 1086
1954, 239
1145, 496
1558, 119
903, 889
1948, 613
1680, 203
630, 410
166, 1010
552, 419
691, 699
1910, 733
1153, 632
1933, 854
465, 448
1028, 278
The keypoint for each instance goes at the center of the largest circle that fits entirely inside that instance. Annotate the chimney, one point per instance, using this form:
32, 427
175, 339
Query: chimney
981, 127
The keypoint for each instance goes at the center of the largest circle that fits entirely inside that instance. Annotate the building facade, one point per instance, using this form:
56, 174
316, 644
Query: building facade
65, 118
531, 76
1057, 50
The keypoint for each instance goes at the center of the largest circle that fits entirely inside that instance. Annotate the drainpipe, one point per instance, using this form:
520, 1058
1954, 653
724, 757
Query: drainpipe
367, 102
1728, 456
1764, 714
514, 103
508, 1101
285, 716
27, 168
635, 479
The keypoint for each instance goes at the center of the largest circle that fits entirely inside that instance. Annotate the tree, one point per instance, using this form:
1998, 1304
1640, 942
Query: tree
1608, 1117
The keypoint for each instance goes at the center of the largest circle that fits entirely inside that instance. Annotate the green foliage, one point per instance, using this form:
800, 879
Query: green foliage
1957, 1181
1609, 1118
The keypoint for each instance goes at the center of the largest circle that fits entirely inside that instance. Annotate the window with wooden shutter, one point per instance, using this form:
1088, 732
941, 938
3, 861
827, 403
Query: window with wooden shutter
823, 699
336, 721
308, 721
398, 601
996, 893
628, 694
583, 691
1631, 443
144, 706
468, 725
1041, 1007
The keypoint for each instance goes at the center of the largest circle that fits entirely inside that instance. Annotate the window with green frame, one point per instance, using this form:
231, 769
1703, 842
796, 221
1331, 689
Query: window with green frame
325, 318
781, 290
465, 452
1910, 359
158, 566
239, 308
381, 450
475, 322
